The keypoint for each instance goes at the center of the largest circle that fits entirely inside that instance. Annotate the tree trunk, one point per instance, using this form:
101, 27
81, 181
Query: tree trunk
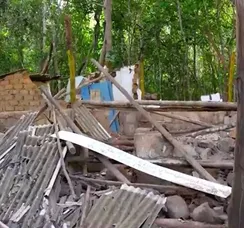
44, 28
107, 43
71, 60
236, 210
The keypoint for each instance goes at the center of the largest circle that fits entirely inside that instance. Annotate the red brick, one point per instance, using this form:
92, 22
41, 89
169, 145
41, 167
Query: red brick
18, 86
4, 82
8, 97
9, 108
18, 76
12, 92
19, 108
29, 86
13, 102
27, 108
3, 92
28, 98
23, 92
37, 98
35, 103
24, 103
9, 77
32, 92
2, 106
19, 98
14, 81
9, 86
26, 80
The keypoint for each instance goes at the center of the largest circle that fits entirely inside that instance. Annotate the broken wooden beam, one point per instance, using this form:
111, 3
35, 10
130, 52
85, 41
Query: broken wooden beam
165, 105
169, 162
208, 131
185, 119
159, 127
69, 145
164, 189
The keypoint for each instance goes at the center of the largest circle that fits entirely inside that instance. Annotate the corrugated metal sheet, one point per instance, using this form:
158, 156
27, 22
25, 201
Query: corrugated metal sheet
25, 175
10, 137
89, 124
43, 130
127, 207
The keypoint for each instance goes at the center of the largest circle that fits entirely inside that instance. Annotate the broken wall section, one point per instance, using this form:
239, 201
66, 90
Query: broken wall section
19, 93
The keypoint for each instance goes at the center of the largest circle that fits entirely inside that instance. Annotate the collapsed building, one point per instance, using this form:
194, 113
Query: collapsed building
66, 167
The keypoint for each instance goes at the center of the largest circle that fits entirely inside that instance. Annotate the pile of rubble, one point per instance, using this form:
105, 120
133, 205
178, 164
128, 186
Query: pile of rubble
47, 176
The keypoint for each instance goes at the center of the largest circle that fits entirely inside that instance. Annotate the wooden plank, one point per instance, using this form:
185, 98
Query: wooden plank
174, 105
145, 166
185, 119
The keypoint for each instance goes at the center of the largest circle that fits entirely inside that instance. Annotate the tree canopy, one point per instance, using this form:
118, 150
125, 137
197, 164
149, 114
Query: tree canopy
186, 45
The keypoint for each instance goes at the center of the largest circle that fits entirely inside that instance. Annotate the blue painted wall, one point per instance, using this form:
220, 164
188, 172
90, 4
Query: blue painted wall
106, 93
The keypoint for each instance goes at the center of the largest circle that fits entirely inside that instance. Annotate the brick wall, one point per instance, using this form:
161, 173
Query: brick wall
19, 93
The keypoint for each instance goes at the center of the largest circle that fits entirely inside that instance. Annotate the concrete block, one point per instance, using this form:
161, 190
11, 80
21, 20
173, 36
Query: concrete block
151, 144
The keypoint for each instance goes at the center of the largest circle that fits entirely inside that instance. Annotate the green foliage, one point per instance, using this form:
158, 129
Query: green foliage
183, 43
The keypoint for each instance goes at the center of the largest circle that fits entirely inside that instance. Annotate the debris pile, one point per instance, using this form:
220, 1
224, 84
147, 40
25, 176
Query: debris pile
34, 193
53, 175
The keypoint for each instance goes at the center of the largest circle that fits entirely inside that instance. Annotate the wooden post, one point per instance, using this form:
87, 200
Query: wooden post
142, 79
231, 76
236, 209
71, 59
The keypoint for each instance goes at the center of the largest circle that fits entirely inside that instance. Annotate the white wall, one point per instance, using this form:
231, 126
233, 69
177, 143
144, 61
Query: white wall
124, 77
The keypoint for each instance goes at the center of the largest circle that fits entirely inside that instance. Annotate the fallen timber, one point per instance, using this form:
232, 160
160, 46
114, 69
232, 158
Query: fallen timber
168, 162
165, 189
165, 106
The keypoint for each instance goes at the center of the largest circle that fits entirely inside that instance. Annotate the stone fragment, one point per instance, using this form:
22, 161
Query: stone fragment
177, 207
205, 214
150, 144
205, 153
233, 133
219, 210
220, 213
230, 178
226, 144
233, 119
227, 120
129, 123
